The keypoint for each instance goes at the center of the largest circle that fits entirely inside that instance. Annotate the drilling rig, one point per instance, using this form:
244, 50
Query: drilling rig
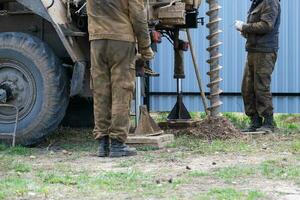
44, 59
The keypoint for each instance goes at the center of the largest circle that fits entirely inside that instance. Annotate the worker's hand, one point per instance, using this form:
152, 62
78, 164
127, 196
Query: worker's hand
147, 54
239, 25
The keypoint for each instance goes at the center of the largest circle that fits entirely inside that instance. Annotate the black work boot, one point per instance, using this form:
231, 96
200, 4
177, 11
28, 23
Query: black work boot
256, 123
104, 147
268, 125
120, 149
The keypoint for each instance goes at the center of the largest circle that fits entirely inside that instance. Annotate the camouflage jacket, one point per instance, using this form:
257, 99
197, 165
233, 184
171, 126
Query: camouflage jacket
262, 28
124, 20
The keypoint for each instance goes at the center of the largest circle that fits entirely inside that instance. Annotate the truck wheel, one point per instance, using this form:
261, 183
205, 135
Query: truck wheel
35, 82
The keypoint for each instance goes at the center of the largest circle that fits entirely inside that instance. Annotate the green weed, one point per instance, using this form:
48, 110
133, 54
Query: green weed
13, 186
196, 174
280, 170
230, 194
254, 195
147, 148
53, 178
21, 167
224, 194
295, 147
231, 173
19, 150
127, 163
197, 145
238, 119
3, 147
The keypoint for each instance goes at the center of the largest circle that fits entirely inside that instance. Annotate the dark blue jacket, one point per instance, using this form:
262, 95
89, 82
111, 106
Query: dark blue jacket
262, 28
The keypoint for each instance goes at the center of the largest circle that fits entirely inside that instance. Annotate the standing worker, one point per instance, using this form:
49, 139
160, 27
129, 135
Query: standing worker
114, 28
262, 33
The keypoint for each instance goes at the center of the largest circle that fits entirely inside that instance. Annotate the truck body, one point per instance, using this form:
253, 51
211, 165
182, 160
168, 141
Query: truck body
44, 57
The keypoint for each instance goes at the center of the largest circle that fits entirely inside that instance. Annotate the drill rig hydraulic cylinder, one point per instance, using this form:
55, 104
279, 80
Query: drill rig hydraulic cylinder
179, 59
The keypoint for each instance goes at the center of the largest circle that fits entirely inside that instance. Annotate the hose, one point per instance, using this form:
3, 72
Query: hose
215, 56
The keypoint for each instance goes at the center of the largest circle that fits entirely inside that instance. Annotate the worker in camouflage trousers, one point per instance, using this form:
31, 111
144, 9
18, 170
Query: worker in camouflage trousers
261, 32
114, 28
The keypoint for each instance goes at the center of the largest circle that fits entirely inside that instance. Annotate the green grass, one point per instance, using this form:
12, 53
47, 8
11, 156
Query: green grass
273, 169
130, 181
225, 194
162, 116
197, 174
147, 148
19, 175
287, 123
295, 147
230, 174
13, 186
255, 194
22, 168
191, 143
127, 163
75, 140
238, 119
53, 178
2, 147
230, 194
8, 163
5, 163
18, 150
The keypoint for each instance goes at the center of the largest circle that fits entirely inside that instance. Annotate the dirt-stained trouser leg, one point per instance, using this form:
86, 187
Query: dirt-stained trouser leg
122, 68
100, 73
113, 73
248, 92
256, 87
264, 66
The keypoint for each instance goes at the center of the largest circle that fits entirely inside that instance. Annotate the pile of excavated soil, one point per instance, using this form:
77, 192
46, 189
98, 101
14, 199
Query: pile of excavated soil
213, 128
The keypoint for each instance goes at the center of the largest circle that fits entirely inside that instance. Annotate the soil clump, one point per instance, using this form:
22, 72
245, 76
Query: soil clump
212, 128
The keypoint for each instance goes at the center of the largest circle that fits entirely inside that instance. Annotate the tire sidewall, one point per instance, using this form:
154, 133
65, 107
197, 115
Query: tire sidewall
34, 70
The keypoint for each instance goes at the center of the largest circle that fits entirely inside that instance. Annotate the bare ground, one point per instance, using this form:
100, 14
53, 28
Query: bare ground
175, 172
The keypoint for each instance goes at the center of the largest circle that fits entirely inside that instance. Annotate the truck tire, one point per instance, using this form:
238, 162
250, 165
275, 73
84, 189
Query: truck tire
38, 87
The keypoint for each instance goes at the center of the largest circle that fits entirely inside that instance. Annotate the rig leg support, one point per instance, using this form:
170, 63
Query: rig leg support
213, 49
179, 111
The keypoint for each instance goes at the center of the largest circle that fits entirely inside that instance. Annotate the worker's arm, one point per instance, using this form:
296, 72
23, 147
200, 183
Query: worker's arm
267, 20
138, 17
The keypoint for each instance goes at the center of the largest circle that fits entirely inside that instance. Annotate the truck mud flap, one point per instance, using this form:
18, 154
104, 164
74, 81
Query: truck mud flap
77, 78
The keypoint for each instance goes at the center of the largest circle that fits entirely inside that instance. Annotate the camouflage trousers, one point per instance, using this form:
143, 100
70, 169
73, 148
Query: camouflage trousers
257, 82
113, 82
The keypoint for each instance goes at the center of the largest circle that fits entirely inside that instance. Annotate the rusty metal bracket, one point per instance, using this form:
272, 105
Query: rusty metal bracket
13, 134
147, 125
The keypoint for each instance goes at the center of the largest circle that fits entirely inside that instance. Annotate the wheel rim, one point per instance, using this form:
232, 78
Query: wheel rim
21, 82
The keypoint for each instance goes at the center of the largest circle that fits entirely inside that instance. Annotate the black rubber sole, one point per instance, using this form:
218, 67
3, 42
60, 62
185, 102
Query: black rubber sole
103, 155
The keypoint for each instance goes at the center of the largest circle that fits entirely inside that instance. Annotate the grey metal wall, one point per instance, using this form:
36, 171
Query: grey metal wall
286, 84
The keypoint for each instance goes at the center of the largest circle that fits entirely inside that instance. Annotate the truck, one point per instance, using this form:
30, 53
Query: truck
45, 59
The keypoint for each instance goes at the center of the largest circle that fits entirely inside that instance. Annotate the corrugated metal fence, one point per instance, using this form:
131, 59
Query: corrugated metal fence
286, 84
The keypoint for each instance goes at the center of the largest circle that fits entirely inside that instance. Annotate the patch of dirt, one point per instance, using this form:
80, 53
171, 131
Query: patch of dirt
213, 128
293, 119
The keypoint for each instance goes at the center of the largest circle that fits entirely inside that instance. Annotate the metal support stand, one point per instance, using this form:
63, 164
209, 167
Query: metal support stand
179, 111
13, 134
145, 125
147, 132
